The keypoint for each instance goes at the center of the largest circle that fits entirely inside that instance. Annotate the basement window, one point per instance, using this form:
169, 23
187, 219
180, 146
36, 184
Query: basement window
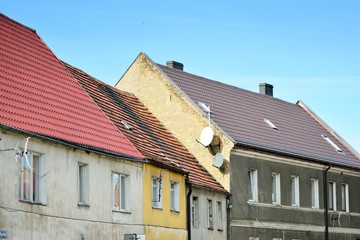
270, 124
337, 149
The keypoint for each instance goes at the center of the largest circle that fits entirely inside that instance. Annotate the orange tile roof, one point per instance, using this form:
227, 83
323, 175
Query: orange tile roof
152, 139
39, 96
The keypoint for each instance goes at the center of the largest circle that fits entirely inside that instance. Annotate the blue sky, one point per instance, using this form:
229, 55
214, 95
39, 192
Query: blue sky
309, 50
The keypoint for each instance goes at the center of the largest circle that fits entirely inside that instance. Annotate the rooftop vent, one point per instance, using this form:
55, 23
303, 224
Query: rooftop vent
126, 125
266, 89
270, 124
175, 65
339, 150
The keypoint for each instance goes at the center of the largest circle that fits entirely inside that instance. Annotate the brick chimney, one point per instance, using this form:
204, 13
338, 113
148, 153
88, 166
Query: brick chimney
175, 65
266, 89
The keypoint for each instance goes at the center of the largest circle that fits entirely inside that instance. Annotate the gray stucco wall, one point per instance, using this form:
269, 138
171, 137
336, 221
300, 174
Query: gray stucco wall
265, 220
59, 216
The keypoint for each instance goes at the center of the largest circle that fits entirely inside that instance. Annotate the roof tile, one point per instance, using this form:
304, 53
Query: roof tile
39, 96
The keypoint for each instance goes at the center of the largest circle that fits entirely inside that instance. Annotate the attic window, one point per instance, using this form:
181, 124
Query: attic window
270, 124
339, 150
127, 126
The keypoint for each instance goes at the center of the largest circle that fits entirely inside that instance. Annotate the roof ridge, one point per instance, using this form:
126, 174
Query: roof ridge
18, 23
227, 85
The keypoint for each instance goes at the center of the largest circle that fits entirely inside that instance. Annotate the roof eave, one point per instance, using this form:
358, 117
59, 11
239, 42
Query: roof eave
75, 145
296, 154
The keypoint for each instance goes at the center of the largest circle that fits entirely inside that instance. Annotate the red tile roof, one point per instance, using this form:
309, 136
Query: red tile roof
39, 96
151, 138
240, 113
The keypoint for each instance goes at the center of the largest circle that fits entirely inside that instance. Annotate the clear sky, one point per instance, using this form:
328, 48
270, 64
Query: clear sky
309, 50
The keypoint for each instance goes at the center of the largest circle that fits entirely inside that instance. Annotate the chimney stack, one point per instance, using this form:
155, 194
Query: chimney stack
266, 89
175, 65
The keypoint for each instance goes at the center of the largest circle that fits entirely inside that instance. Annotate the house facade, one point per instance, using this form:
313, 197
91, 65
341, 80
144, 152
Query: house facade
173, 180
67, 172
290, 175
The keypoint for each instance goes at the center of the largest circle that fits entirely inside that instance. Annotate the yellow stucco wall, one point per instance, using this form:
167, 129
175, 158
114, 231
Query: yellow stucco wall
176, 112
164, 223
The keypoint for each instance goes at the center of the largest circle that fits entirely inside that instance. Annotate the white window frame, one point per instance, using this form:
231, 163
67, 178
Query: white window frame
295, 191
252, 185
345, 197
210, 214
83, 184
157, 193
276, 188
120, 191
174, 196
332, 195
219, 215
314, 193
32, 186
195, 213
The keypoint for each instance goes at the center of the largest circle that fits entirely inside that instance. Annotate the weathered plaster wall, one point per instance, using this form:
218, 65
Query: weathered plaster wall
61, 217
202, 231
175, 111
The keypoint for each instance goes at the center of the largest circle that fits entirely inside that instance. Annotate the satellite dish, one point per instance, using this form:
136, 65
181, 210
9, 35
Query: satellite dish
206, 136
218, 160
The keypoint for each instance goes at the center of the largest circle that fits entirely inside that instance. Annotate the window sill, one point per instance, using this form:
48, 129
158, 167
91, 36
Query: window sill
122, 211
220, 230
158, 208
33, 203
210, 228
174, 211
86, 205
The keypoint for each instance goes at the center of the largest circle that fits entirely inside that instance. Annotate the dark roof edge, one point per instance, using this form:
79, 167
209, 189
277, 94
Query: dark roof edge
175, 169
78, 146
291, 153
328, 128
225, 192
29, 28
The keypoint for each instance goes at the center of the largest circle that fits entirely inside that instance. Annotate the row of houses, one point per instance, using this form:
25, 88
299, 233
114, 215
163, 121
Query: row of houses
163, 154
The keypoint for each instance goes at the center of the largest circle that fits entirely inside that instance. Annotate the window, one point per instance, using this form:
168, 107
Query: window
345, 197
210, 214
195, 214
295, 198
314, 193
252, 185
332, 196
174, 196
219, 215
30, 189
275, 188
83, 183
121, 192
156, 192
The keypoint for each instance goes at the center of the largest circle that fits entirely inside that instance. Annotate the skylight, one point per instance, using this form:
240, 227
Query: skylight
270, 124
337, 149
127, 126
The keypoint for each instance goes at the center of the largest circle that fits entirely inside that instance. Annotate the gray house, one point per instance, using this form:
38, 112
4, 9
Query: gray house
290, 175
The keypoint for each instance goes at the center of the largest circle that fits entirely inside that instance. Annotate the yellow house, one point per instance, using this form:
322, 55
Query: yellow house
164, 194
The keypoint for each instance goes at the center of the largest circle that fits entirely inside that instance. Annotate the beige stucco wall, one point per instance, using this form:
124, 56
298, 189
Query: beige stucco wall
60, 217
175, 111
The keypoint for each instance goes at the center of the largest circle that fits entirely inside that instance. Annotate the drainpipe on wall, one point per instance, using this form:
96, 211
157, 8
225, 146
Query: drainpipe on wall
188, 207
326, 202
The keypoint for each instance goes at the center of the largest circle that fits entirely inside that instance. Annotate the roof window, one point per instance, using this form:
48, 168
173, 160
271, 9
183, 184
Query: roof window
270, 124
339, 150
127, 126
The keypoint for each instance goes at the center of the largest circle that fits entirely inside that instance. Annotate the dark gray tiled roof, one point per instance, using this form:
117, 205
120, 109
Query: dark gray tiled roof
240, 113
